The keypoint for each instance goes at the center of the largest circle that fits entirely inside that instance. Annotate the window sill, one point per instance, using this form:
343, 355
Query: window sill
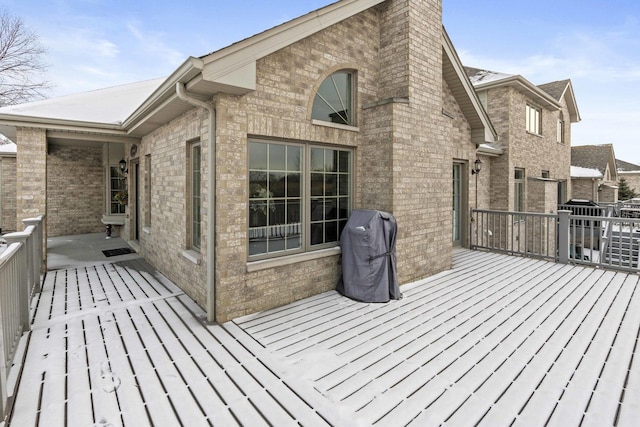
292, 259
335, 125
539, 135
192, 256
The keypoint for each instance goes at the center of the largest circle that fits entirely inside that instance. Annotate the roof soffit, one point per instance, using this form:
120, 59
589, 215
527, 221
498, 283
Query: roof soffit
466, 96
524, 86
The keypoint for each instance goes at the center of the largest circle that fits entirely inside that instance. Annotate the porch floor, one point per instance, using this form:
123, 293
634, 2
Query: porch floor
495, 341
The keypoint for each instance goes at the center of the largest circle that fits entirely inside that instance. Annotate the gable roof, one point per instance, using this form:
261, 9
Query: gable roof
231, 70
482, 130
598, 157
137, 109
563, 89
623, 166
547, 95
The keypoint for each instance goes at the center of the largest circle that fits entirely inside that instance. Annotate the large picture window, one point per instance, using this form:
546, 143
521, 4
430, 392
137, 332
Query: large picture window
299, 197
334, 99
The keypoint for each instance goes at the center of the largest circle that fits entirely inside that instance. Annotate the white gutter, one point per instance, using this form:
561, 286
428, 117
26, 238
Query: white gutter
211, 208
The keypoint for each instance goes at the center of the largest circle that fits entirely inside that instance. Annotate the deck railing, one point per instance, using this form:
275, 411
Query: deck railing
21, 265
605, 241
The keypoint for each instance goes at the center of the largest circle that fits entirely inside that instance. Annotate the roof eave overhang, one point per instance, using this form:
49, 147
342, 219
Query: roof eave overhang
572, 105
482, 130
243, 55
521, 84
11, 122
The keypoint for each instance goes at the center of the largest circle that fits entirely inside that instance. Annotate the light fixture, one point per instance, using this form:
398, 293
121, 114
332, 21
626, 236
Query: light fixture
123, 166
477, 167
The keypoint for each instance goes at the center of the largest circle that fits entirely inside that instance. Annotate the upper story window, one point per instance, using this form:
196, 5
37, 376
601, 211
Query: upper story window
334, 99
560, 130
534, 120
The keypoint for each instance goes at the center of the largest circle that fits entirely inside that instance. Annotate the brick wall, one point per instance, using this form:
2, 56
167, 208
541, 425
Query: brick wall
75, 190
8, 180
584, 189
403, 150
31, 173
534, 153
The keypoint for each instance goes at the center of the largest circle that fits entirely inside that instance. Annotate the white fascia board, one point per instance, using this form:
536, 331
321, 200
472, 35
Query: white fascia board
571, 103
242, 54
523, 85
188, 70
59, 124
490, 134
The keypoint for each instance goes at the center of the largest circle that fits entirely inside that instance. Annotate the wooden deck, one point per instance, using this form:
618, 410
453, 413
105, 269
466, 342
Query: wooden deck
496, 341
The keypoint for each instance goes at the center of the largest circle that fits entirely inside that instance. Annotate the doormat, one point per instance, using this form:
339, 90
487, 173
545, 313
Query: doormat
115, 252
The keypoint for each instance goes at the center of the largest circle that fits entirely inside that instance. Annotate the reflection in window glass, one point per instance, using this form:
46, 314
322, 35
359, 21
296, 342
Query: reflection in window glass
333, 101
277, 180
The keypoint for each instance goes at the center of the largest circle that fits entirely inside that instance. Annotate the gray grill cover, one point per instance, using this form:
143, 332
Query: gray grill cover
368, 244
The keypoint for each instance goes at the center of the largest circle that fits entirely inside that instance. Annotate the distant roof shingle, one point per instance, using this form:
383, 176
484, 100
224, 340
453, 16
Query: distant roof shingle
555, 89
592, 156
626, 166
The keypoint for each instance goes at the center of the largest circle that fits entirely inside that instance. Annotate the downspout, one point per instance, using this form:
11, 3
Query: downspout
211, 207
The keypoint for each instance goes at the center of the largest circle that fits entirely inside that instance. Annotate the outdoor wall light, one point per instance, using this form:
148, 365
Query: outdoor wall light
477, 167
123, 166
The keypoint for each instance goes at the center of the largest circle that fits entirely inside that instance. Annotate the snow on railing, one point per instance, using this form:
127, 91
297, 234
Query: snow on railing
602, 241
21, 264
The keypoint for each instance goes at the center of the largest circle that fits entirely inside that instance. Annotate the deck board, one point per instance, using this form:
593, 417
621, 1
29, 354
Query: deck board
495, 341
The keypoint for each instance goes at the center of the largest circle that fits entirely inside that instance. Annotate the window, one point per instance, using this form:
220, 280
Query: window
299, 197
534, 122
560, 130
117, 190
518, 190
195, 174
334, 99
147, 190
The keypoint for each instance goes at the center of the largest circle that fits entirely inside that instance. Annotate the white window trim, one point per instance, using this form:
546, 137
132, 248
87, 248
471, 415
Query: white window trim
537, 120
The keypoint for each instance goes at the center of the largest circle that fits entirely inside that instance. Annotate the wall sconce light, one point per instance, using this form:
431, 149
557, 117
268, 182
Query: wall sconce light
477, 167
123, 166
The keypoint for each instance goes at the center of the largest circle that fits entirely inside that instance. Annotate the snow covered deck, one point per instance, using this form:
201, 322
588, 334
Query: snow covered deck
496, 341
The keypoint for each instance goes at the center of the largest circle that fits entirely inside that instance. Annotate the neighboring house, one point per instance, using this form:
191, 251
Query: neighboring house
7, 186
602, 159
585, 183
630, 172
534, 127
360, 104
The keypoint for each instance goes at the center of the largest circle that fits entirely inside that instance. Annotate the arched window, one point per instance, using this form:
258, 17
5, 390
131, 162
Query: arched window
334, 99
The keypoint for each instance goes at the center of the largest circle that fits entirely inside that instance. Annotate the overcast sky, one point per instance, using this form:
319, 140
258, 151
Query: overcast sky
596, 43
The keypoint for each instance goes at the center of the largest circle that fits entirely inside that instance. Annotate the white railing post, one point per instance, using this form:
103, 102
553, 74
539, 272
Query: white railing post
25, 237
14, 310
563, 236
37, 250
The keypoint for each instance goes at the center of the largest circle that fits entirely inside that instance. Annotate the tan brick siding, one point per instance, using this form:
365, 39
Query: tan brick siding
31, 173
75, 190
403, 152
8, 180
534, 153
